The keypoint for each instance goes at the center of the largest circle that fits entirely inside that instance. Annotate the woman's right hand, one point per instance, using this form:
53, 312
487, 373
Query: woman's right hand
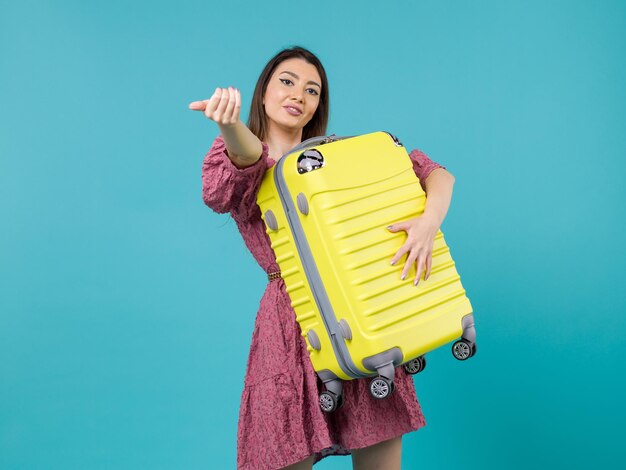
223, 107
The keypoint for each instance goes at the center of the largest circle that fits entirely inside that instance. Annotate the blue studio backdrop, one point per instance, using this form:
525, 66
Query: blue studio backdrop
127, 306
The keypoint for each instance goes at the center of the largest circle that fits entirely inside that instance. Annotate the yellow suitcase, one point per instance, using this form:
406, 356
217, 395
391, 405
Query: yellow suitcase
326, 205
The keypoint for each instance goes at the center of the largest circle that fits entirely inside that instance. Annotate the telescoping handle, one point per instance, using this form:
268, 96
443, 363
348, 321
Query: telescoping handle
319, 140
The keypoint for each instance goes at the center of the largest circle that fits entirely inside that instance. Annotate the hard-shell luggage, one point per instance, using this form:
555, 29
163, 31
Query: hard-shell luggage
326, 205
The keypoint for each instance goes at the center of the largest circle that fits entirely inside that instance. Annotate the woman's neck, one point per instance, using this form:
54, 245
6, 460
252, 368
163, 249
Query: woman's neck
280, 141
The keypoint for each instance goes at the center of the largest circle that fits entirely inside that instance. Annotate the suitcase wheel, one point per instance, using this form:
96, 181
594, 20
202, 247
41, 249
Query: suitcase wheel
416, 365
463, 349
381, 387
329, 401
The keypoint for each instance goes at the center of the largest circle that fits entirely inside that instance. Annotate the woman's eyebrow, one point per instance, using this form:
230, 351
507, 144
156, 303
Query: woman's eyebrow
295, 76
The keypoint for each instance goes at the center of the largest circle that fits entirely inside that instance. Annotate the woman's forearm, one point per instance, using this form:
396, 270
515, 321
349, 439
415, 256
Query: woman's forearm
244, 148
438, 195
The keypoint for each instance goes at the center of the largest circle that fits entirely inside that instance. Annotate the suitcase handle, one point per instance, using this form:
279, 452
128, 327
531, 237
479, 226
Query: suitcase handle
325, 139
321, 139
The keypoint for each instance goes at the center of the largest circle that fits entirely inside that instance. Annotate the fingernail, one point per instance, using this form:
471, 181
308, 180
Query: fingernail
392, 263
416, 282
403, 277
390, 226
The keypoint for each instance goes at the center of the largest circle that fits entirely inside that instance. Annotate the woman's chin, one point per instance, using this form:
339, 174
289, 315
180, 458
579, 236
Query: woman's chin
289, 125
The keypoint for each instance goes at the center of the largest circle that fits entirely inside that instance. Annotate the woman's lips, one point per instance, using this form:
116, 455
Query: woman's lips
293, 111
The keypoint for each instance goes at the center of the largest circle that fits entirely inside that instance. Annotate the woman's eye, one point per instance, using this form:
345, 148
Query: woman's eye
286, 81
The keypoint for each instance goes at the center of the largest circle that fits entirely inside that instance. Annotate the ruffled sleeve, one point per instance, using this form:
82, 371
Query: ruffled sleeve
422, 165
226, 188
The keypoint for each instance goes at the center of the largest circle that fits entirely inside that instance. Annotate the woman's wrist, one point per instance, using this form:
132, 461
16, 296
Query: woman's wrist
244, 148
432, 219
438, 195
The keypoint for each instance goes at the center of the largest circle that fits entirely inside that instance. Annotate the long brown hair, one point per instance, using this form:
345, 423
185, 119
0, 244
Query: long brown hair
257, 119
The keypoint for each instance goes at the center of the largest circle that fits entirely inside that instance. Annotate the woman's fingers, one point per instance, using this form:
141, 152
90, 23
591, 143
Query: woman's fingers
213, 107
418, 258
223, 107
420, 269
202, 104
429, 265
419, 245
213, 103
230, 106
400, 226
237, 105
198, 105
401, 252
410, 261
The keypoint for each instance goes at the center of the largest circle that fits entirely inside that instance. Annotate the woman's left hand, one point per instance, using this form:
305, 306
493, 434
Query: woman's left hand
421, 233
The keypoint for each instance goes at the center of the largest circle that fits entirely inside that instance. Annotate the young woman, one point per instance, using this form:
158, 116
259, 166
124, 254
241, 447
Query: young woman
281, 424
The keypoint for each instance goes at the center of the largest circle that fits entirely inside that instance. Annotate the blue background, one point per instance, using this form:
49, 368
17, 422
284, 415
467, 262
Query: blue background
127, 306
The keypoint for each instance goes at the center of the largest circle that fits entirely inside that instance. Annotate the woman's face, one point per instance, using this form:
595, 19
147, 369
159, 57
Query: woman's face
292, 94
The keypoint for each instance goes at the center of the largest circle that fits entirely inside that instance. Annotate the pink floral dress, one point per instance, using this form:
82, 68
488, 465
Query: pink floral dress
280, 420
